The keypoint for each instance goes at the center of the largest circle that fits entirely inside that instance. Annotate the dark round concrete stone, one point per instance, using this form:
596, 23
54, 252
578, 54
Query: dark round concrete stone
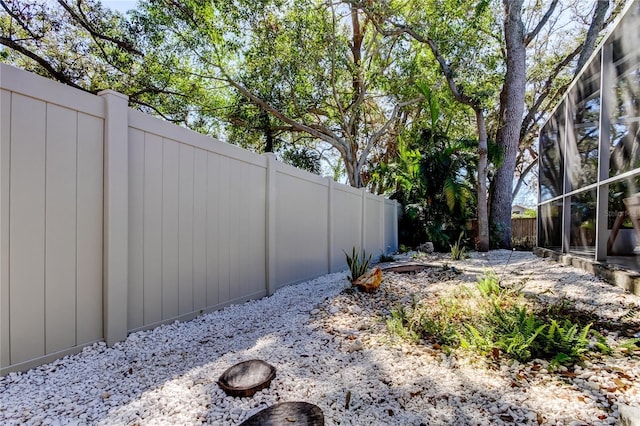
287, 413
247, 378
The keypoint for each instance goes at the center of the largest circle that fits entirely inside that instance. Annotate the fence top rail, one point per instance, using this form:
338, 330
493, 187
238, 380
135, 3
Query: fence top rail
149, 124
348, 189
34, 86
375, 197
287, 169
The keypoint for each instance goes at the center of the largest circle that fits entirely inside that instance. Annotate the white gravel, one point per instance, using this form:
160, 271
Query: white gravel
325, 343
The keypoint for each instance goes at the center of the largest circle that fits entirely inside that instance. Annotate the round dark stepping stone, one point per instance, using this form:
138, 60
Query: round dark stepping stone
287, 413
247, 378
406, 267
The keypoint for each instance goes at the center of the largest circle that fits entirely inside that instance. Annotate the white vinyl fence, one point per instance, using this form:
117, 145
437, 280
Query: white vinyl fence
112, 221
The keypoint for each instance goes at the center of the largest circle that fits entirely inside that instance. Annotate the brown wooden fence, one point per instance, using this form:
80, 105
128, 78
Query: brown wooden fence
523, 231
523, 227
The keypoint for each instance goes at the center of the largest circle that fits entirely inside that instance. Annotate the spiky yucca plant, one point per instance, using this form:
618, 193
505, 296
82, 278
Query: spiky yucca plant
358, 263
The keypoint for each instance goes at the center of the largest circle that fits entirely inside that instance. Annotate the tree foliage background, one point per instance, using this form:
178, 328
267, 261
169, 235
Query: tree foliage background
408, 97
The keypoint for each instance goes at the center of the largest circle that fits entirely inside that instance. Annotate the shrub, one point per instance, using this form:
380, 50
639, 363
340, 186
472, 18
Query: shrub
385, 258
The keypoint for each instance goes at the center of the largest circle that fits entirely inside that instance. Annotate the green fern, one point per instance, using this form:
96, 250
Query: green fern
566, 340
473, 338
628, 347
519, 331
489, 284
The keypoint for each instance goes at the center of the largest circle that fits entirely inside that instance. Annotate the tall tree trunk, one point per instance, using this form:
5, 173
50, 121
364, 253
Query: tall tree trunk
353, 170
483, 226
268, 131
513, 93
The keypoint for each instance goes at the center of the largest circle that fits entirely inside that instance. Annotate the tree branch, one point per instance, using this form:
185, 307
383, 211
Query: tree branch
524, 174
125, 45
589, 44
374, 138
20, 21
318, 131
444, 67
546, 90
58, 75
541, 24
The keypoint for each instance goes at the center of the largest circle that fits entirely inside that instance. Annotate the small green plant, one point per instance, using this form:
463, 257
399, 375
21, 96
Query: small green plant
489, 284
472, 338
518, 332
601, 343
628, 347
404, 249
398, 324
495, 320
358, 263
385, 258
458, 250
565, 342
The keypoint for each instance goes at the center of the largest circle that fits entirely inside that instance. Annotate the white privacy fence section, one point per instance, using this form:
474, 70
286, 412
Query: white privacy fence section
113, 221
197, 224
51, 183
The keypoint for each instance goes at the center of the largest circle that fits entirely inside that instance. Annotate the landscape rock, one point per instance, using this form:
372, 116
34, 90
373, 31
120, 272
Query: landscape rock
629, 416
325, 341
426, 247
370, 281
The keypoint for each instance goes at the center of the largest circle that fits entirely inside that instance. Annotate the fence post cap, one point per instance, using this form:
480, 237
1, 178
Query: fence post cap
109, 92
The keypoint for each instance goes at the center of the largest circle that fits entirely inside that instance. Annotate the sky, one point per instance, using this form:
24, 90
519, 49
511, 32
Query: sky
120, 5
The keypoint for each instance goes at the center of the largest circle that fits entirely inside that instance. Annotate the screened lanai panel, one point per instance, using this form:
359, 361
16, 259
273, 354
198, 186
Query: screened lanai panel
623, 223
550, 225
625, 120
582, 234
584, 133
551, 159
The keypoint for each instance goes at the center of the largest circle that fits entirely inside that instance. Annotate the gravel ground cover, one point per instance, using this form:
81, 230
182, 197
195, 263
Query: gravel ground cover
330, 347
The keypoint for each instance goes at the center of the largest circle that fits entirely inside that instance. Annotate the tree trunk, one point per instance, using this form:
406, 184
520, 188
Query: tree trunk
483, 223
511, 121
268, 131
353, 170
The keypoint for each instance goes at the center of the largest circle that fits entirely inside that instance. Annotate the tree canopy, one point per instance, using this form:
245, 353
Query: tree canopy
347, 85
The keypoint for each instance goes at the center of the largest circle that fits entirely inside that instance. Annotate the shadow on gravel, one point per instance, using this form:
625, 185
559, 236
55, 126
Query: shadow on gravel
321, 359
320, 362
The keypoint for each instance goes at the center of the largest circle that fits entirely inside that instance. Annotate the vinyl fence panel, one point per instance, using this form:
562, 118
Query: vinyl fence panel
302, 228
112, 221
346, 219
51, 159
